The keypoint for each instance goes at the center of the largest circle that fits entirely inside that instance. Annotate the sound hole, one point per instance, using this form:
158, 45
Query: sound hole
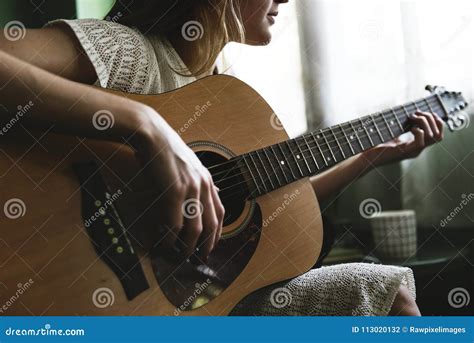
228, 177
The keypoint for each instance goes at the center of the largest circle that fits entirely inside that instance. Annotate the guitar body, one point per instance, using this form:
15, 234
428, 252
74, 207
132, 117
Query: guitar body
48, 262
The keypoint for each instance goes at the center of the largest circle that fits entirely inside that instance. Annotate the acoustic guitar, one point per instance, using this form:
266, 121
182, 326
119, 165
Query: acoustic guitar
67, 249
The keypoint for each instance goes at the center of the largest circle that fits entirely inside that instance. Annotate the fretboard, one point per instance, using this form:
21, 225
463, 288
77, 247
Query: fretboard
278, 165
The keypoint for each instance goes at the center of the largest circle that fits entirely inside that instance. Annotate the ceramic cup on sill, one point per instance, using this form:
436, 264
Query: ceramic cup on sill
394, 234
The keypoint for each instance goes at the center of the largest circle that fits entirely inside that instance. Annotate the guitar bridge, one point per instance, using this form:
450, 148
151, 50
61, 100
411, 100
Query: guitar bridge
106, 230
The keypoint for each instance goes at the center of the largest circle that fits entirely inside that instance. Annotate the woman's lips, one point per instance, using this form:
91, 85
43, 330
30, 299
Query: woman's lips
271, 17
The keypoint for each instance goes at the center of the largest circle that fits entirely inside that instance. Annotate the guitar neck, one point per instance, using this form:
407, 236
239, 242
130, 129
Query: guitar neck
278, 165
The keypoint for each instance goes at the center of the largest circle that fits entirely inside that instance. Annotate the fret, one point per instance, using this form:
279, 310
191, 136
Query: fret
272, 166
356, 135
287, 162
405, 110
429, 106
436, 109
272, 148
311, 151
416, 106
319, 148
329, 147
302, 154
347, 139
378, 131
388, 126
269, 177
258, 172
294, 157
251, 174
338, 144
441, 104
367, 132
396, 118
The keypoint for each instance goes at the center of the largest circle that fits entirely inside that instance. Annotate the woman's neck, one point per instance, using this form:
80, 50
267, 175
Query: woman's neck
184, 49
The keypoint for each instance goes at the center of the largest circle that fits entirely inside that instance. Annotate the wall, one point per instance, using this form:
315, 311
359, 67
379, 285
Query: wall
35, 13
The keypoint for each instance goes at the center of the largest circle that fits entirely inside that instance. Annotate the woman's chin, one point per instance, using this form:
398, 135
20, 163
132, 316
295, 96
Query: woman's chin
262, 39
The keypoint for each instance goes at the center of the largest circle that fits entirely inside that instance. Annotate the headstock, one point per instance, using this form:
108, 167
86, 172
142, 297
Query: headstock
453, 104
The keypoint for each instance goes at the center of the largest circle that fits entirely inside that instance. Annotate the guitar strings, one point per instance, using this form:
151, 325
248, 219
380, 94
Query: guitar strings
263, 179
376, 121
314, 145
274, 172
384, 130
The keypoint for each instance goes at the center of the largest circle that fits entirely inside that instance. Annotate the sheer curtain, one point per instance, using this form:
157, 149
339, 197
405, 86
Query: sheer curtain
363, 56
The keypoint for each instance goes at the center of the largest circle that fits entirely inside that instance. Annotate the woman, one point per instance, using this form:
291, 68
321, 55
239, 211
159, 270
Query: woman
148, 48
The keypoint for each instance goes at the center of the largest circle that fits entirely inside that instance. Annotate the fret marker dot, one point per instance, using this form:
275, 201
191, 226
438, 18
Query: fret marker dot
282, 162
298, 156
392, 122
371, 130
352, 137
318, 136
329, 158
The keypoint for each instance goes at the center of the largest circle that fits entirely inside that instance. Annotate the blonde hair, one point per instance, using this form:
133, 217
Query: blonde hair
208, 25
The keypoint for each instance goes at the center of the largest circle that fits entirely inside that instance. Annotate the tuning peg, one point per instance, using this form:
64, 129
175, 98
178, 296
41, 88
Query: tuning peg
430, 88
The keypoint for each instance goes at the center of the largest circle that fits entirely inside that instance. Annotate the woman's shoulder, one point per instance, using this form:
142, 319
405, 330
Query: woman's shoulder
96, 31
97, 25
123, 57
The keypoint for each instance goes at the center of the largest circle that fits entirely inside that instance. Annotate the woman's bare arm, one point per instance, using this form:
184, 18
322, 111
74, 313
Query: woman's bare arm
53, 49
66, 106
48, 71
334, 179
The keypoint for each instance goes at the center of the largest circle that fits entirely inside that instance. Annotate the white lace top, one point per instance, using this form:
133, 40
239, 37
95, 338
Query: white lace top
126, 60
